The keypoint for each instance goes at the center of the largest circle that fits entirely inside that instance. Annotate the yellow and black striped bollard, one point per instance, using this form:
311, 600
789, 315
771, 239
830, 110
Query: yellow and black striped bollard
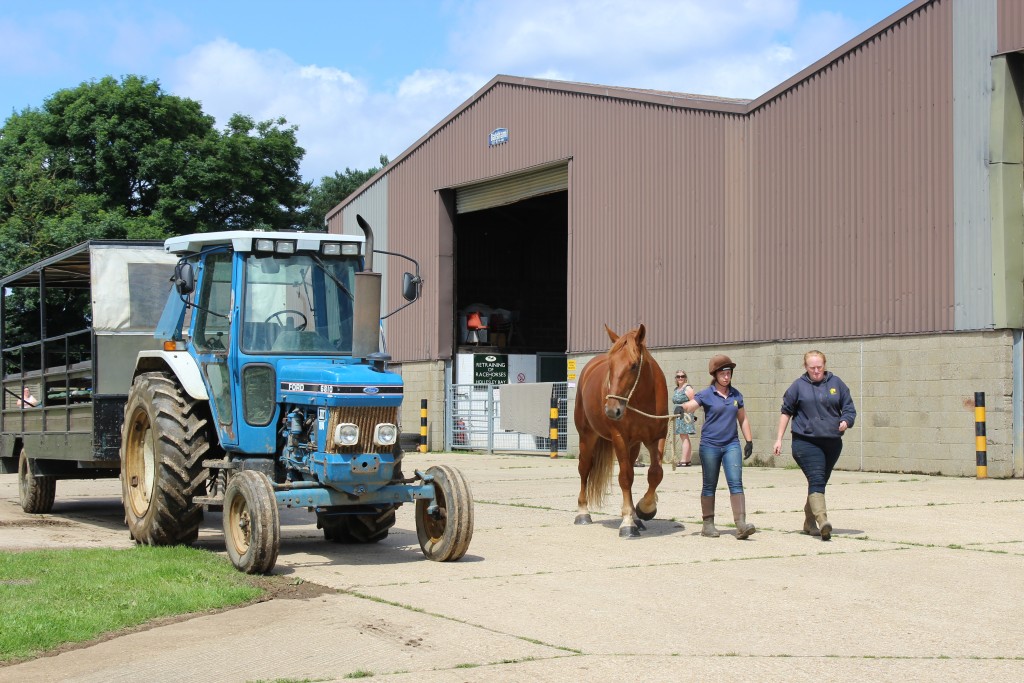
980, 440
423, 425
553, 424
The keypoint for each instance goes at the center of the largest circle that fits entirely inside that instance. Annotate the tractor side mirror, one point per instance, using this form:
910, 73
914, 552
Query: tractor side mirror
410, 286
184, 278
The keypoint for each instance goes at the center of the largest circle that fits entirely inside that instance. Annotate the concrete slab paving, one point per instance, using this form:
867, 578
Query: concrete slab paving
923, 580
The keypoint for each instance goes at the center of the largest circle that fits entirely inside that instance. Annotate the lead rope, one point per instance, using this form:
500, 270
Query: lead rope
670, 435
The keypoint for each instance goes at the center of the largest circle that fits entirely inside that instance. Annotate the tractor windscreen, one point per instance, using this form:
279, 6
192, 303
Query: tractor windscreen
299, 304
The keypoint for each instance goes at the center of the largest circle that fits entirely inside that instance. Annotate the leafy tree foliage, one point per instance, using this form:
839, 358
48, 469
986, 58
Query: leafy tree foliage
123, 159
114, 159
332, 190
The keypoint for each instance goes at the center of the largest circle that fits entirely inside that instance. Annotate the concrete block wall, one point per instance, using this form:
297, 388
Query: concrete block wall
914, 397
424, 381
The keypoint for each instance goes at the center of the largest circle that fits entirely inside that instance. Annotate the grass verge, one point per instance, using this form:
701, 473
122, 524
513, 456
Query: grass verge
52, 597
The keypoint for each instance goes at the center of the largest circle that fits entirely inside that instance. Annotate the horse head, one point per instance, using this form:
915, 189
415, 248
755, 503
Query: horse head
625, 360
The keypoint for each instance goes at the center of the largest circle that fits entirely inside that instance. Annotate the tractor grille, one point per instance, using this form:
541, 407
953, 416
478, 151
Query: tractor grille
367, 420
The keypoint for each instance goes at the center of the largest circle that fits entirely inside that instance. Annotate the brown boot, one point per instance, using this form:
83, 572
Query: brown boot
810, 526
739, 514
817, 503
707, 510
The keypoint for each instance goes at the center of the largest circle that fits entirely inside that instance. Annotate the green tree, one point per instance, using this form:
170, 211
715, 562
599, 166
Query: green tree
114, 159
123, 159
333, 190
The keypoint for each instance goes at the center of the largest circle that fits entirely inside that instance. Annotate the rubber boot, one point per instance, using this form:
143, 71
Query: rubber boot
817, 503
810, 526
739, 515
707, 510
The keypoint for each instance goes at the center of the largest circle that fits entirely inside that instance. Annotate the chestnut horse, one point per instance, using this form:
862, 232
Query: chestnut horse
621, 403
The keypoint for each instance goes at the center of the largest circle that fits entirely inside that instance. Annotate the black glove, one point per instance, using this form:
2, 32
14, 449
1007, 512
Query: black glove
748, 450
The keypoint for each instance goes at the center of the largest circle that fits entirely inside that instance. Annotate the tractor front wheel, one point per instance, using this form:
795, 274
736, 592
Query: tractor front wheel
444, 533
252, 525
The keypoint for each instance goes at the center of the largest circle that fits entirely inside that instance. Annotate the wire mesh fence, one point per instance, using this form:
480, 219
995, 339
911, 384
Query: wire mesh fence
473, 421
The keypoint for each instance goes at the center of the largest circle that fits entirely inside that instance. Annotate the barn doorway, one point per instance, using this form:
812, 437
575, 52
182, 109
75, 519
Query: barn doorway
510, 283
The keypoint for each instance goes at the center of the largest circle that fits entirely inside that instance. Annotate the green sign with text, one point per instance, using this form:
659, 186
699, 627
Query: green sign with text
490, 368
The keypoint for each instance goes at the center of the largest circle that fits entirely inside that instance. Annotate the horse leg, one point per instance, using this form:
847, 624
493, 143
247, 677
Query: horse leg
587, 444
647, 508
630, 526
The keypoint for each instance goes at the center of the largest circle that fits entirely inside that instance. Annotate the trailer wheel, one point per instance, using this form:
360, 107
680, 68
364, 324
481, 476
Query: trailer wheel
252, 526
163, 443
360, 528
36, 493
445, 536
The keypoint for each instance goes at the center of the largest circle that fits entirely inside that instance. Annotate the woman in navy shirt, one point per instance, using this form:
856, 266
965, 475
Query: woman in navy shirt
720, 444
820, 406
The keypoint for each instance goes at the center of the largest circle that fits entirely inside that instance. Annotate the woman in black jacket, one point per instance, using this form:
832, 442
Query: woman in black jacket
821, 409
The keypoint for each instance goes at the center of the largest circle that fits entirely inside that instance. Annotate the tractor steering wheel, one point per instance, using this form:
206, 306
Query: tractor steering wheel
285, 311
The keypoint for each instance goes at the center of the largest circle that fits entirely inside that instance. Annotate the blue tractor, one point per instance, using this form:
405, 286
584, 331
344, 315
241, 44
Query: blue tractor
271, 390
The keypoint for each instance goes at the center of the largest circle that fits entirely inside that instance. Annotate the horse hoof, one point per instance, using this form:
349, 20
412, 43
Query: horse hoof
582, 520
640, 525
629, 532
646, 516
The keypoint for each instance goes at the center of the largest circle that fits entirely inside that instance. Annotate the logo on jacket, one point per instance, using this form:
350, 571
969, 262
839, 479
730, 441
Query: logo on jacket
832, 390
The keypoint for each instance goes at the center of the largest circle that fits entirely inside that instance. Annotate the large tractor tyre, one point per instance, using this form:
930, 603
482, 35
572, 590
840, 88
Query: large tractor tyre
360, 528
164, 440
36, 493
252, 525
445, 536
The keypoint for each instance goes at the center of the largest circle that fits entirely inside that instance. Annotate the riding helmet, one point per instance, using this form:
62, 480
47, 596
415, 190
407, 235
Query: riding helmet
719, 362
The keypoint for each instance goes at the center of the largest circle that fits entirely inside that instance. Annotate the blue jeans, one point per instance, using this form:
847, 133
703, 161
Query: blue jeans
713, 458
816, 457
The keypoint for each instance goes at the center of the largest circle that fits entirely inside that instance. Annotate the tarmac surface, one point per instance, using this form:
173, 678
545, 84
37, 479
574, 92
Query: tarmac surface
923, 580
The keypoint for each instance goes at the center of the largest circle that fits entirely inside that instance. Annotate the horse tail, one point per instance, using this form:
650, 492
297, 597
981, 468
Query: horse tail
603, 461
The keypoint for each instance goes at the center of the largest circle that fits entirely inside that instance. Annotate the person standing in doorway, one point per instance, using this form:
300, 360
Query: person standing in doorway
720, 445
685, 424
821, 409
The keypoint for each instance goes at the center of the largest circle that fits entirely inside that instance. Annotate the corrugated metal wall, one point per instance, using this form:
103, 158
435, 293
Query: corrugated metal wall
1011, 25
851, 192
823, 209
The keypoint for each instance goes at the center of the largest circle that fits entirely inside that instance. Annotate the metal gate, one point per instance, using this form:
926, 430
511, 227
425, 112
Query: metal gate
473, 421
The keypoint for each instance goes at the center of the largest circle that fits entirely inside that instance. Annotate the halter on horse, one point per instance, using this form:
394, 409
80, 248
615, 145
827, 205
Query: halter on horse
621, 403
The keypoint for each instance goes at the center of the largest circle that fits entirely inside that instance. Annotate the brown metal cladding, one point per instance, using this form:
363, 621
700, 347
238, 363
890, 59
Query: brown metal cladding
1011, 26
851, 192
822, 209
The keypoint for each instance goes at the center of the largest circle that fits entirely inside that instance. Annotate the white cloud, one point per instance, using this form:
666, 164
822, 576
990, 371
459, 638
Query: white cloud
341, 122
732, 49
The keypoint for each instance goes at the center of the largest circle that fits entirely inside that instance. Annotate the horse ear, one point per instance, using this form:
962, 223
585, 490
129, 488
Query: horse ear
614, 337
641, 334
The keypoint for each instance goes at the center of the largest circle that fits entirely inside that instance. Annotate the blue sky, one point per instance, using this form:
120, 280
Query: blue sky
361, 79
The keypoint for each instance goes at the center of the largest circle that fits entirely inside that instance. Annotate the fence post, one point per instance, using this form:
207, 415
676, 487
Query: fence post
553, 421
423, 425
980, 440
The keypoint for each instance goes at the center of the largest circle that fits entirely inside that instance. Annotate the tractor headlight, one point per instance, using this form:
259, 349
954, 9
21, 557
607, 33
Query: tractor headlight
346, 434
385, 434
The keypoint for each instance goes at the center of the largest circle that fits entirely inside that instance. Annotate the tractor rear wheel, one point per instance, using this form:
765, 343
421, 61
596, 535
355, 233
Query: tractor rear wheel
36, 493
252, 525
445, 535
358, 528
163, 443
